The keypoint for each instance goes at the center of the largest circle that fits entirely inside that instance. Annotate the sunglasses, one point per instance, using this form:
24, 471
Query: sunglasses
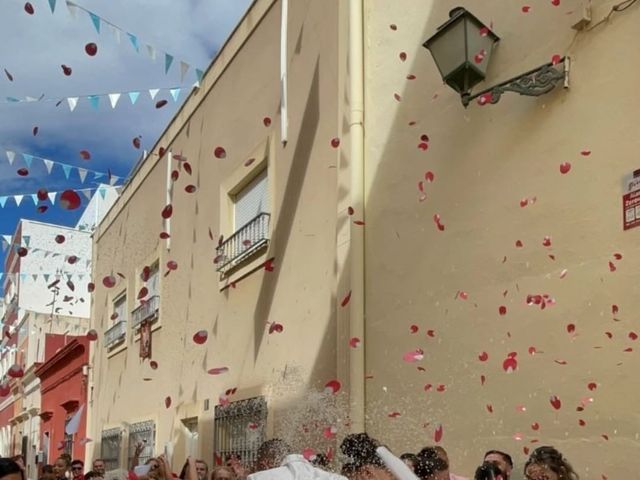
76, 468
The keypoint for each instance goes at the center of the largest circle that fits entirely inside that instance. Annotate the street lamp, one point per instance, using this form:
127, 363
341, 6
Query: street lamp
461, 49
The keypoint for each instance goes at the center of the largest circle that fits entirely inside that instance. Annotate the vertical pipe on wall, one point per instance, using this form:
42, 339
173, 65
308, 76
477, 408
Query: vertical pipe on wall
284, 30
356, 131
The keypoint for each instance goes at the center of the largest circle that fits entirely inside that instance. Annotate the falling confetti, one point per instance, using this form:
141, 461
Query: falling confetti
167, 212
92, 335
483, 357
200, 337
220, 152
266, 121
85, 155
526, 9
403, 56
23, 172
565, 167
335, 142
29, 8
9, 76
35, 131
69, 200
437, 435
555, 402
332, 386
109, 281
66, 70
161, 103
354, 342
275, 328
218, 371
91, 49
167, 402
346, 299
136, 142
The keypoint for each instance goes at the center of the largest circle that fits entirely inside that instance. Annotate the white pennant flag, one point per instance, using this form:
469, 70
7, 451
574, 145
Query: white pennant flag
11, 156
151, 51
113, 98
73, 9
184, 68
31, 99
87, 193
82, 172
52, 197
18, 199
71, 428
153, 92
48, 164
116, 33
113, 180
73, 101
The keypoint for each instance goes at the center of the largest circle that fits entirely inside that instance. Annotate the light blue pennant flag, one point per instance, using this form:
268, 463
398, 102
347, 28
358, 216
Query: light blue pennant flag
3, 201
175, 93
67, 170
96, 21
27, 239
34, 197
133, 96
27, 159
102, 192
94, 100
199, 74
52, 5
168, 60
134, 41
98, 175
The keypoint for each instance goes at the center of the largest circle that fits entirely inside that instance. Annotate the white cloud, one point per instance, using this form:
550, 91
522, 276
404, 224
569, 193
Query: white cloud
35, 46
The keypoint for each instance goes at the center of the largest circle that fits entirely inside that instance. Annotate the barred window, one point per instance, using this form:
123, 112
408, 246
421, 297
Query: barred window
251, 201
110, 448
240, 428
144, 432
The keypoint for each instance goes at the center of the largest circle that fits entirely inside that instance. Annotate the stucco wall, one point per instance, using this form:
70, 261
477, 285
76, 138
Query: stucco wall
485, 160
299, 293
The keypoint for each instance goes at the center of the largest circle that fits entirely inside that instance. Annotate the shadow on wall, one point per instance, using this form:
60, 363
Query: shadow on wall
282, 230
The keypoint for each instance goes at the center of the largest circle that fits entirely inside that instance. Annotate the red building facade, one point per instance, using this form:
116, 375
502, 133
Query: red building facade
63, 385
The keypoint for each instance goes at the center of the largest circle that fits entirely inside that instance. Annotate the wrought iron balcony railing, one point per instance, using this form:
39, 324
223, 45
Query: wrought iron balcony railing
242, 244
115, 334
147, 311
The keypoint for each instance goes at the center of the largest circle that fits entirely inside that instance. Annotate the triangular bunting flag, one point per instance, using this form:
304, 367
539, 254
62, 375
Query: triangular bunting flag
73, 101
27, 239
133, 96
52, 197
67, 170
199, 74
7, 239
153, 92
31, 99
87, 193
48, 164
46, 277
1, 279
96, 21
3, 201
82, 172
168, 60
94, 100
102, 192
73, 9
98, 175
175, 93
27, 159
34, 197
11, 156
23, 277
52, 5
184, 68
113, 180
134, 41
151, 51
18, 199
113, 98
35, 277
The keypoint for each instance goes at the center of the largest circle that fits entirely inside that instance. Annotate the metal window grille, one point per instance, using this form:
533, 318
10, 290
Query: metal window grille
240, 428
68, 439
147, 311
243, 243
110, 448
144, 432
115, 335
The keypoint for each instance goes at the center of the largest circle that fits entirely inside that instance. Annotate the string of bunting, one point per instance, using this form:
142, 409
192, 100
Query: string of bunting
66, 168
98, 21
12, 277
7, 241
94, 99
87, 192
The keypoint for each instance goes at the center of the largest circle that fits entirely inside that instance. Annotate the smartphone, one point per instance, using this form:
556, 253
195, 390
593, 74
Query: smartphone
142, 470
183, 472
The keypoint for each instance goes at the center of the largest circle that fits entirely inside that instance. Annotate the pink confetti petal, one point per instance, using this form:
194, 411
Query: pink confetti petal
565, 167
556, 59
510, 365
329, 432
463, 295
484, 31
413, 356
332, 387
218, 371
200, 337
354, 342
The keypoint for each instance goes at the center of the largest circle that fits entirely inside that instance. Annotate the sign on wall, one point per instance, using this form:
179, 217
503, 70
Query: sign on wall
631, 201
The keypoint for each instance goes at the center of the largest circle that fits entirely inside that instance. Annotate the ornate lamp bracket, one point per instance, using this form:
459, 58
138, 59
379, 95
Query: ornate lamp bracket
533, 83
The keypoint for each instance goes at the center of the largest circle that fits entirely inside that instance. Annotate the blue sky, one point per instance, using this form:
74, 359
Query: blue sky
35, 46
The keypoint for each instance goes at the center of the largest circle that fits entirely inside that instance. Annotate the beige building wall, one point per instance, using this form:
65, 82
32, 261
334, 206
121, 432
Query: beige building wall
241, 88
485, 160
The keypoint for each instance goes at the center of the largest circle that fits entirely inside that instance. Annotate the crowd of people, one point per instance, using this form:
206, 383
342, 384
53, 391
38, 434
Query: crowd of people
363, 458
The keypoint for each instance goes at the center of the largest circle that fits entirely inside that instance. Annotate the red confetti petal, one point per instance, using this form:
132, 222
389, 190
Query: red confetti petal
66, 70
397, 97
585, 153
489, 408
633, 336
411, 77
502, 310
565, 167
91, 49
555, 3
109, 281
394, 415
29, 8
510, 365
617, 256
42, 196
218, 371
187, 167
546, 241
200, 337
167, 402
172, 265
403, 56
332, 386
431, 333
571, 328
161, 103
358, 222
266, 121
346, 299
190, 188
463, 295
15, 371
42, 208
164, 235
91, 287
555, 59
153, 364
167, 211
437, 435
526, 9
555, 402
35, 131
23, 172
612, 267
9, 76
335, 142
429, 176
354, 342
441, 388
479, 57
519, 244
483, 357
483, 379
144, 291
393, 27
582, 423
484, 31
72, 259
136, 142
413, 328
92, 335
69, 200
85, 154
535, 426
424, 146
609, 334
592, 386
350, 211
268, 265
220, 152
275, 328
524, 202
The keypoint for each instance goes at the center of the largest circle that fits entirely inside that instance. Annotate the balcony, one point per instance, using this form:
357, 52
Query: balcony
115, 334
147, 311
242, 244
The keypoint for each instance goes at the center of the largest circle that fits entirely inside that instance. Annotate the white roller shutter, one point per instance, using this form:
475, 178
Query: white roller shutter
251, 201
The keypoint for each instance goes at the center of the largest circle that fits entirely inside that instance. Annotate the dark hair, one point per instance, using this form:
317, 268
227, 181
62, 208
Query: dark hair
487, 471
47, 469
9, 467
273, 451
15, 458
361, 450
429, 462
507, 458
77, 462
321, 460
554, 461
412, 457
91, 474
65, 457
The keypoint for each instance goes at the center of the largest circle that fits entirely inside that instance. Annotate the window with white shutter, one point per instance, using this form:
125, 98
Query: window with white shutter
251, 201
